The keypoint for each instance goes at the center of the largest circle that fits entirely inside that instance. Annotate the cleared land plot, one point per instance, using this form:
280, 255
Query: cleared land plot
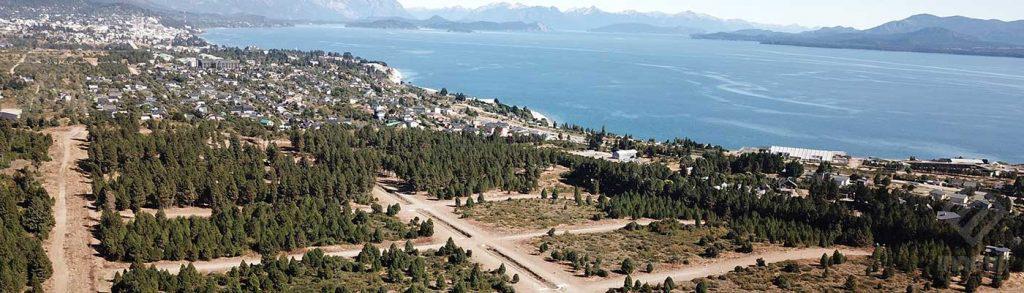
530, 214
809, 277
665, 244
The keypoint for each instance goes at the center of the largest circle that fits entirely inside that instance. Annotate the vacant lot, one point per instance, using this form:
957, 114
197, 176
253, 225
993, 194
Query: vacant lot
530, 214
665, 244
810, 277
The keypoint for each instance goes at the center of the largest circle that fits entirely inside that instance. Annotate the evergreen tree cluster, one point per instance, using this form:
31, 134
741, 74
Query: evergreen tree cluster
444, 165
204, 166
759, 162
25, 221
716, 191
373, 270
16, 143
264, 228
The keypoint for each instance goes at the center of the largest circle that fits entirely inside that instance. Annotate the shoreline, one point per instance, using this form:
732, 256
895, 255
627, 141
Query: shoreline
396, 76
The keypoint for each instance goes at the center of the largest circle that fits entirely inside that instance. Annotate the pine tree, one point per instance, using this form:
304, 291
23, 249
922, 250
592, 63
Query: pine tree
838, 258
627, 267
702, 286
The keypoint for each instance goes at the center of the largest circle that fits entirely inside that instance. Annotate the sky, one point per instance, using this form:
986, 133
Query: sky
856, 13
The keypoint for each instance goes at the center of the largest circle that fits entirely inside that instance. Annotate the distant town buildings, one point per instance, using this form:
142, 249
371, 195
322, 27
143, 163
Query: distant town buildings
213, 62
811, 155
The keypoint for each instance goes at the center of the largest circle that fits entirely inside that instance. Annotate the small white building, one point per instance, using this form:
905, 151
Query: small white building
624, 155
960, 199
10, 114
948, 216
938, 195
841, 180
999, 252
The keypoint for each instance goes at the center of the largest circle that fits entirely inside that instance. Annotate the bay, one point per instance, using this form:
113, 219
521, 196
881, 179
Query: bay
734, 94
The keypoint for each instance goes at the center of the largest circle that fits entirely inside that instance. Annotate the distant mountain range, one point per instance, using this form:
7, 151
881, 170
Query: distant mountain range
919, 33
309, 10
441, 23
643, 28
366, 11
592, 18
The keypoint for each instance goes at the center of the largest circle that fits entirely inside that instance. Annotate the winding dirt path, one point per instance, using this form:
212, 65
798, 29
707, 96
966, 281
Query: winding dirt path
20, 61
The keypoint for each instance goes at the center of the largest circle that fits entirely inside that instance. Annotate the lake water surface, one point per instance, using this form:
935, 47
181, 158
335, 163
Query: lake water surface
868, 103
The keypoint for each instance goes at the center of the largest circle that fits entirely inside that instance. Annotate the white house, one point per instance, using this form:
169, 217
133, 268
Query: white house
961, 199
938, 195
947, 216
841, 180
624, 155
995, 251
10, 114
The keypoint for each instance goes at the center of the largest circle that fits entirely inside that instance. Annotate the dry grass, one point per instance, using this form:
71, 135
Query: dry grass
675, 248
810, 278
552, 178
530, 214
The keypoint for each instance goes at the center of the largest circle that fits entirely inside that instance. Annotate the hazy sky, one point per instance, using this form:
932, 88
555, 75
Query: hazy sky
856, 13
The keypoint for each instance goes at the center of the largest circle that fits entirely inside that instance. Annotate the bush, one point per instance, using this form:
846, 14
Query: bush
782, 281
791, 267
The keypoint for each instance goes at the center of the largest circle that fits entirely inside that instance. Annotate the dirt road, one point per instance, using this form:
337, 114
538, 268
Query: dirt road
719, 267
227, 263
68, 241
538, 274
535, 274
492, 249
20, 61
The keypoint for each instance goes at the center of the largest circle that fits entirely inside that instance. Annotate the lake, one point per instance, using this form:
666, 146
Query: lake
734, 94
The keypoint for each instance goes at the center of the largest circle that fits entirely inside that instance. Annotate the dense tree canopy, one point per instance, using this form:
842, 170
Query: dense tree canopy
204, 166
390, 270
442, 164
25, 220
261, 227
16, 143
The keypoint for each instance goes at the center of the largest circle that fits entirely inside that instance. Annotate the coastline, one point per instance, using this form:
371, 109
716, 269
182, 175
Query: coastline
397, 76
